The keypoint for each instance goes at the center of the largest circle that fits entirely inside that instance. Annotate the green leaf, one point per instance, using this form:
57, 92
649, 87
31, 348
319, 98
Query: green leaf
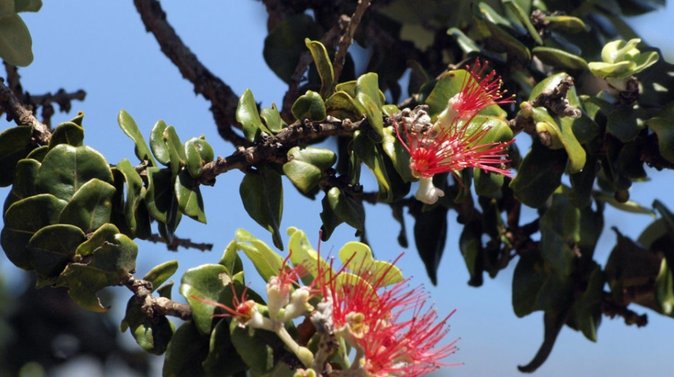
450, 84
90, 207
7, 8
15, 41
185, 353
284, 44
161, 272
24, 218
248, 116
202, 286
15, 144
559, 58
66, 168
565, 23
160, 196
262, 196
309, 106
189, 197
470, 244
663, 126
303, 254
102, 235
52, 247
622, 123
400, 158
346, 209
267, 262
560, 231
305, 166
127, 180
547, 85
158, 144
586, 310
342, 105
252, 348
130, 128
107, 266
506, 42
430, 235
24, 182
539, 175
361, 261
272, 118
230, 259
38, 153
67, 133
176, 150
221, 353
368, 152
28, 5
371, 100
323, 65
465, 43
151, 334
193, 161
523, 17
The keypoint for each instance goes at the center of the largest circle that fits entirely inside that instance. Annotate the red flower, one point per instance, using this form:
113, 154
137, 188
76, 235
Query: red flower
371, 316
479, 90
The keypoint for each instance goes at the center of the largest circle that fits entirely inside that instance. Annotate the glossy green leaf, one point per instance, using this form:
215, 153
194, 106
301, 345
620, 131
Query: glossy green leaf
448, 85
371, 100
361, 261
547, 85
221, 353
506, 42
368, 152
107, 266
262, 196
663, 126
559, 58
160, 196
24, 218
67, 133
52, 247
309, 106
130, 128
161, 273
330, 220
230, 259
7, 8
189, 198
303, 254
523, 18
284, 44
565, 23
470, 244
400, 158
539, 175
627, 206
622, 123
101, 236
342, 105
151, 334
15, 41
586, 310
582, 183
175, 149
15, 144
560, 231
90, 207
304, 167
193, 159
248, 116
256, 353
66, 168
185, 353
430, 235
347, 209
267, 262
487, 184
323, 65
127, 180
272, 118
158, 144
38, 153
24, 182
465, 43
201, 286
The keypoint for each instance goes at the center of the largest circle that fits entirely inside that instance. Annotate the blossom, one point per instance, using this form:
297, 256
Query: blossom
243, 310
388, 324
454, 142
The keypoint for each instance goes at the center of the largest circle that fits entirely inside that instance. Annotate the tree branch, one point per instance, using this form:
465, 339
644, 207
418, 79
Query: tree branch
222, 98
180, 242
17, 112
155, 306
347, 37
274, 148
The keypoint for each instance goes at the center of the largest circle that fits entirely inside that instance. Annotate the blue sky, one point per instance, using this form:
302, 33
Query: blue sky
102, 47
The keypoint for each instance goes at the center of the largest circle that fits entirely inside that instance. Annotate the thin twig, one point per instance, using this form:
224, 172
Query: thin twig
222, 98
61, 97
17, 112
347, 37
275, 148
154, 307
180, 242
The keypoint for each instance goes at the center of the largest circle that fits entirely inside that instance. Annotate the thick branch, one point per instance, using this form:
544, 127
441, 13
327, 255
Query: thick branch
274, 148
347, 37
17, 112
156, 306
222, 98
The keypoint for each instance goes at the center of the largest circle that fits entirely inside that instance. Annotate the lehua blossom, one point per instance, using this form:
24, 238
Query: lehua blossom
393, 330
453, 143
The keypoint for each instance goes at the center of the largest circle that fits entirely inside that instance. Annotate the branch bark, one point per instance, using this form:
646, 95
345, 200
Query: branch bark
220, 95
17, 112
347, 37
156, 306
